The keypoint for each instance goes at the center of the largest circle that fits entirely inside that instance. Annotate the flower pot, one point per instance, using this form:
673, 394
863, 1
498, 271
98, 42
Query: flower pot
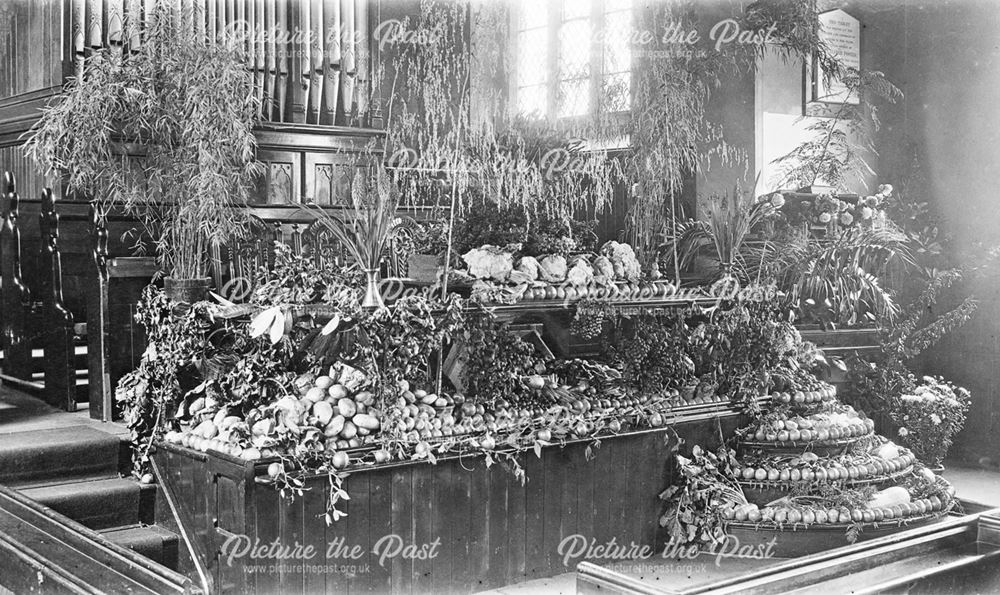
217, 366
187, 291
423, 267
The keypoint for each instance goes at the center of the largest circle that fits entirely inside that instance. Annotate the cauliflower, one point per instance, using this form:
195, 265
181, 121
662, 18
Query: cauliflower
489, 262
581, 274
554, 268
604, 271
623, 260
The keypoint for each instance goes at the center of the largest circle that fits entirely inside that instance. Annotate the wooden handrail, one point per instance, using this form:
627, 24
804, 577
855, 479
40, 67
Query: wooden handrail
122, 569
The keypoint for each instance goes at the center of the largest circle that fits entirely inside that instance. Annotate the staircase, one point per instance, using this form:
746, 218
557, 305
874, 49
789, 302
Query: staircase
69, 519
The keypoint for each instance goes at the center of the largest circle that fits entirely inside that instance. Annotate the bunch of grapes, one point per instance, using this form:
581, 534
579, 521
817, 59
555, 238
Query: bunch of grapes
588, 321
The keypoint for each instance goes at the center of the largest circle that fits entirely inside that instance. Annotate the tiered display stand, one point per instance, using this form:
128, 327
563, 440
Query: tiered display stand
793, 463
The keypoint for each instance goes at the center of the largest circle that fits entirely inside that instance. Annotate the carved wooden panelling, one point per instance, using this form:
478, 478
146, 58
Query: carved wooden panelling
282, 181
323, 184
328, 177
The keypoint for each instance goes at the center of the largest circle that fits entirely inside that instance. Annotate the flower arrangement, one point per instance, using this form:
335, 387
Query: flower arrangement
827, 209
930, 416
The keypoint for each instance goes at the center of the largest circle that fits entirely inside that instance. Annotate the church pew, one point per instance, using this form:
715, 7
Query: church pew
16, 298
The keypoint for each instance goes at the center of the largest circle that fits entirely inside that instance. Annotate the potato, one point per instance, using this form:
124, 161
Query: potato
220, 415
323, 411
337, 392
364, 397
323, 382
350, 430
207, 429
347, 407
334, 427
366, 421
315, 394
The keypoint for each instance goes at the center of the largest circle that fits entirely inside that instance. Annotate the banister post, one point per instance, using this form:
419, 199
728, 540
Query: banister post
99, 375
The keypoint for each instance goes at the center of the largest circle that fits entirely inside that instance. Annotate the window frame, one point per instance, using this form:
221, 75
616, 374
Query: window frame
553, 81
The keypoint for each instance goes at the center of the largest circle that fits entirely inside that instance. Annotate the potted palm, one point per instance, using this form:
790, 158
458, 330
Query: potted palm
164, 132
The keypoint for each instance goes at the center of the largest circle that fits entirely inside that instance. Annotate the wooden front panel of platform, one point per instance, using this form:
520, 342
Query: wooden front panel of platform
492, 530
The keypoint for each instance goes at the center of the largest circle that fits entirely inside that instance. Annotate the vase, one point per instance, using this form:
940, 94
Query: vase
187, 291
373, 297
727, 286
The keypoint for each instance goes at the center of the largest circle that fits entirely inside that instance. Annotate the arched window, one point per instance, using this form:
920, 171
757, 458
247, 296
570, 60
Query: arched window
573, 57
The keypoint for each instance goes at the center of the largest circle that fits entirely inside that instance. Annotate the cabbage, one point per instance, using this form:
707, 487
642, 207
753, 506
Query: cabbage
519, 277
529, 266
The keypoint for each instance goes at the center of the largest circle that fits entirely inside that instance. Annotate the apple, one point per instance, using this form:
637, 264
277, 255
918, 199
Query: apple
339, 460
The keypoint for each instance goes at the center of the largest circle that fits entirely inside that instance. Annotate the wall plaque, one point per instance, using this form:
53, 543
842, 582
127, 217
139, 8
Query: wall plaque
842, 34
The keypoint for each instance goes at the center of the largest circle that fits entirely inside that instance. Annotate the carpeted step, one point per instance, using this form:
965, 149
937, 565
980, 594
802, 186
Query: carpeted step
98, 503
154, 542
42, 551
61, 453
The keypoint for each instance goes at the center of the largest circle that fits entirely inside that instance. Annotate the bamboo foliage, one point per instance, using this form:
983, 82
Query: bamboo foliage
164, 132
